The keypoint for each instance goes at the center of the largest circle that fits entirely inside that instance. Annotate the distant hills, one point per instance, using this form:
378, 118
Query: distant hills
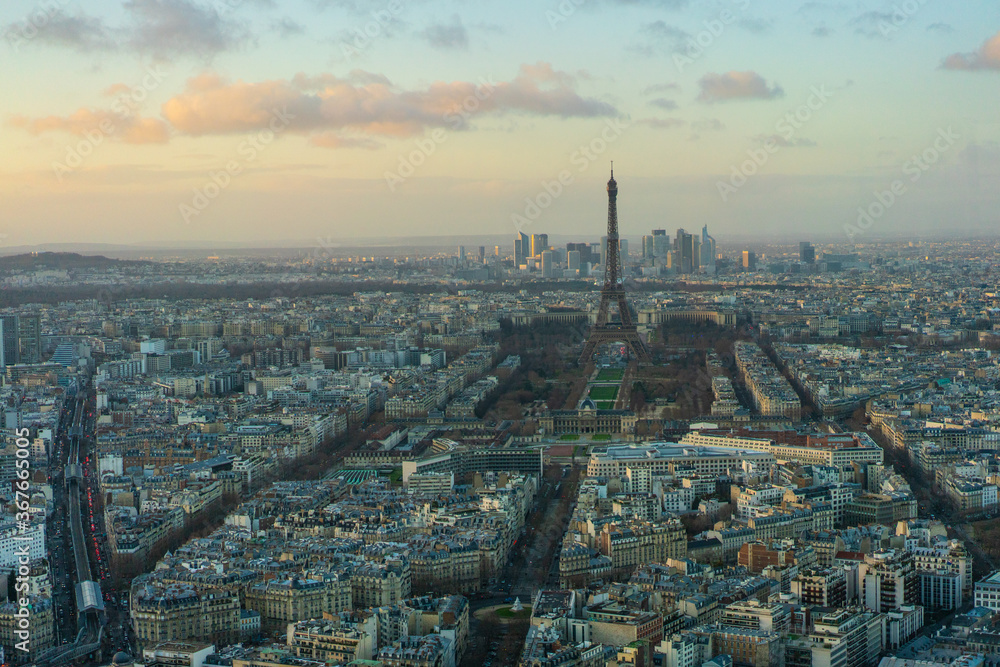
61, 261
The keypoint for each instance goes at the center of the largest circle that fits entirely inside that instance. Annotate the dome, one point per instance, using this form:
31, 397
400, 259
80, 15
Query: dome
122, 658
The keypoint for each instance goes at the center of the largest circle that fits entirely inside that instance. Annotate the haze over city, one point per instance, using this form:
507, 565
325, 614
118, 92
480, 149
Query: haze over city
163, 122
550, 333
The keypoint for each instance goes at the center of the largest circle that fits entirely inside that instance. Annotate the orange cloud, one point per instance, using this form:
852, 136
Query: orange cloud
987, 57
130, 129
735, 86
371, 104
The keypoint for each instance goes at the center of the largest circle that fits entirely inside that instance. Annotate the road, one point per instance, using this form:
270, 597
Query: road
534, 562
532, 567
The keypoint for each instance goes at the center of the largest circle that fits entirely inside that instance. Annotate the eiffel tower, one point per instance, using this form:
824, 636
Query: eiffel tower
604, 329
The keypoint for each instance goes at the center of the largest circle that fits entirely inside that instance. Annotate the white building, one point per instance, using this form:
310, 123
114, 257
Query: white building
987, 592
14, 541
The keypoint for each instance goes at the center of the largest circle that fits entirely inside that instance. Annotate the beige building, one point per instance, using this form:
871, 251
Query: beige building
381, 584
40, 629
182, 612
280, 602
327, 641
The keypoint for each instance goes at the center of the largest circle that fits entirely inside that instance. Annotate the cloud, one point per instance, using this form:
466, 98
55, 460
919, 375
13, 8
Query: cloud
663, 4
660, 37
708, 125
79, 32
356, 6
705, 125
334, 140
940, 27
874, 24
821, 31
662, 123
757, 26
212, 105
127, 128
981, 158
452, 35
660, 88
287, 27
169, 28
664, 103
162, 28
822, 8
986, 57
781, 141
735, 86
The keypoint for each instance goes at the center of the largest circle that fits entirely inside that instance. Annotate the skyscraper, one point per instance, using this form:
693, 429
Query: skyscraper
583, 249
482, 254
547, 263
661, 244
684, 246
539, 244
807, 253
20, 339
8, 340
461, 254
522, 246
749, 260
708, 251
573, 260
648, 247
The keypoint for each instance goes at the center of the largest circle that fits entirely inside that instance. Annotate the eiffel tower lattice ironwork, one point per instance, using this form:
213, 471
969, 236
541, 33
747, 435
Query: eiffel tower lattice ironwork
605, 330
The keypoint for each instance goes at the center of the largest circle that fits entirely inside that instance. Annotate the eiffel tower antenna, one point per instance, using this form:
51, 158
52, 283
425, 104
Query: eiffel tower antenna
605, 330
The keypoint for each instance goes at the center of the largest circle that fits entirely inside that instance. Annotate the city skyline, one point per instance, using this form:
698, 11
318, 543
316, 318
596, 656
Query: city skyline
438, 118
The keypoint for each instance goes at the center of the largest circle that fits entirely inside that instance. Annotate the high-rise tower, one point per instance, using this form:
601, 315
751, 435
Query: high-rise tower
605, 330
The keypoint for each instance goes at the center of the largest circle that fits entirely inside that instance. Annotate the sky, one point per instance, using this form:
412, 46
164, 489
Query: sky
291, 122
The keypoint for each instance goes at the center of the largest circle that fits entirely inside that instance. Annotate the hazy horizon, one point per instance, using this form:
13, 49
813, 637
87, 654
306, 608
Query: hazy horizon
168, 123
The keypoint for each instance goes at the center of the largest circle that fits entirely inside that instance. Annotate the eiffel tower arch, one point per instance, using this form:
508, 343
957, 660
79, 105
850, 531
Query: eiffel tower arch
605, 330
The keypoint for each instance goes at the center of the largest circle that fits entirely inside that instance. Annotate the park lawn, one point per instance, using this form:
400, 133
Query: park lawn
604, 393
600, 437
505, 612
569, 436
610, 375
605, 405
396, 477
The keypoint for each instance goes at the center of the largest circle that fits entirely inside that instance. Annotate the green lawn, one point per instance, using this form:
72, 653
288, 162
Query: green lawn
505, 612
396, 477
605, 405
599, 437
604, 393
569, 436
610, 374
